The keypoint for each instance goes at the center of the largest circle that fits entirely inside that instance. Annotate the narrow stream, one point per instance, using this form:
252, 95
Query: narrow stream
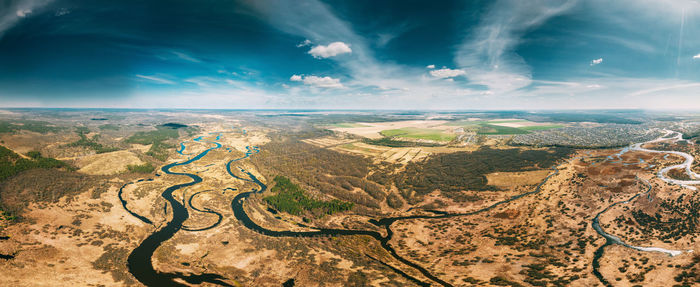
612, 239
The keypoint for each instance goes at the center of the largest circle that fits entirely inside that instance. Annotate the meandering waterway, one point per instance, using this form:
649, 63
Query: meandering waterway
612, 239
140, 260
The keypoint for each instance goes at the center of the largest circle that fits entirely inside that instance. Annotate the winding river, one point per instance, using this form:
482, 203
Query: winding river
140, 262
140, 259
612, 239
240, 214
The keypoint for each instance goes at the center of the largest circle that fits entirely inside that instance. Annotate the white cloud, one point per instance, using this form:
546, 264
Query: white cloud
333, 49
156, 79
320, 82
446, 73
596, 61
306, 42
430, 66
23, 12
696, 57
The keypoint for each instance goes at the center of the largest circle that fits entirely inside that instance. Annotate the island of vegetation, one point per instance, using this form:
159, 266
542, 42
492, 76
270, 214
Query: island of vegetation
292, 199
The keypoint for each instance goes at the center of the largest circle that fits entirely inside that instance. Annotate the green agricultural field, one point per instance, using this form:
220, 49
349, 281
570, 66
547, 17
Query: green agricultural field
418, 133
541, 128
476, 123
487, 129
507, 121
465, 123
349, 125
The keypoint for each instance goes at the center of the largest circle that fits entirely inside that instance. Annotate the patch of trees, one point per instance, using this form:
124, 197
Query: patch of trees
290, 198
692, 134
157, 139
690, 274
460, 171
112, 127
90, 143
27, 125
344, 175
12, 164
586, 117
675, 218
340, 175
394, 200
113, 260
502, 281
173, 125
141, 168
668, 228
42, 185
678, 173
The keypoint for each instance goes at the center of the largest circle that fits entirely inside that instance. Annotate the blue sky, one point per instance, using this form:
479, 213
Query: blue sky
351, 54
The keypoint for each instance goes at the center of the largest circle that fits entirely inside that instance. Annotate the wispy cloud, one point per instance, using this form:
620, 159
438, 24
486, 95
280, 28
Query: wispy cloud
596, 61
305, 43
186, 57
696, 57
664, 88
156, 79
430, 67
488, 52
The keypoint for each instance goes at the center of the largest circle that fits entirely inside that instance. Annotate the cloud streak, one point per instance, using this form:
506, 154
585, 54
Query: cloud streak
487, 52
156, 79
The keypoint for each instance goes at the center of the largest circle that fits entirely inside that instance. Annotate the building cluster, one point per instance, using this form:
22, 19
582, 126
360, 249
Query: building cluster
607, 135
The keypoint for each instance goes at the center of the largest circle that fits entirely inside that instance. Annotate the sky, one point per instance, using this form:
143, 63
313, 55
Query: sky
360, 54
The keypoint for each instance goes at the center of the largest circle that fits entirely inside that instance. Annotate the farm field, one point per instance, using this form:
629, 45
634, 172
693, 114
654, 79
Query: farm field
419, 133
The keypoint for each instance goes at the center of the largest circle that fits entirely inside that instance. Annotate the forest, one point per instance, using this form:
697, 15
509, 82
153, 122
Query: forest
158, 139
12, 164
91, 143
321, 170
362, 182
292, 199
32, 179
452, 173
